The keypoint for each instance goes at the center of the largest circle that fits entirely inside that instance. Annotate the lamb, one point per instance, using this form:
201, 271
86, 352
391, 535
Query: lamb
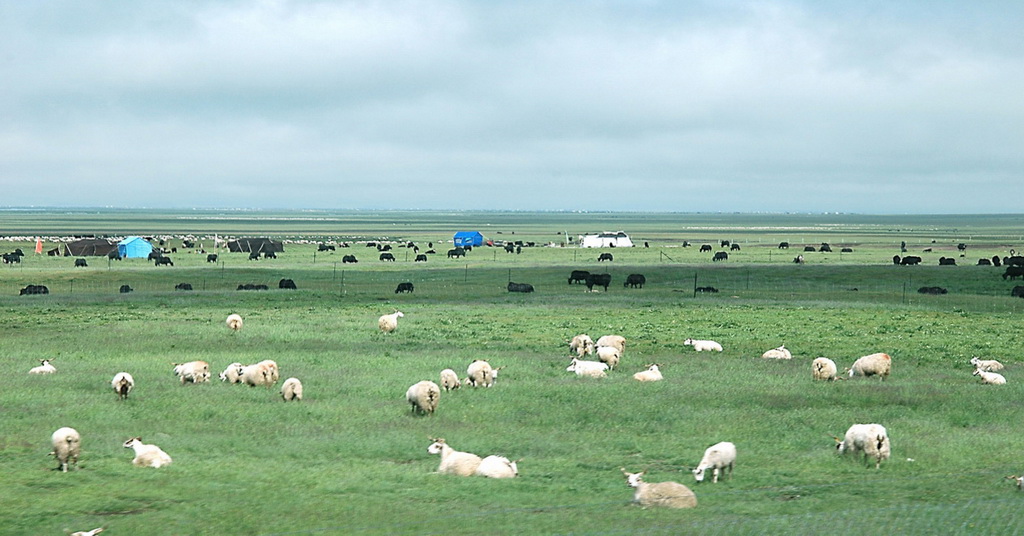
389, 323
990, 378
581, 345
823, 368
717, 457
652, 374
234, 321
497, 467
872, 365
423, 397
453, 461
147, 455
122, 384
610, 355
872, 440
615, 341
232, 374
703, 346
778, 353
291, 389
67, 445
480, 373
193, 371
44, 368
591, 369
666, 494
450, 380
1019, 480
988, 365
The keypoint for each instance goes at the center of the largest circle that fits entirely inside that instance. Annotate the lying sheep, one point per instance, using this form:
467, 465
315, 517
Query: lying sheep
291, 390
663, 494
872, 365
147, 455
703, 346
652, 374
423, 397
778, 353
92, 532
717, 457
44, 368
990, 378
1019, 480
988, 365
123, 383
591, 369
581, 345
453, 461
389, 323
609, 355
871, 440
67, 445
234, 321
192, 372
823, 368
615, 341
450, 380
232, 374
480, 373
497, 467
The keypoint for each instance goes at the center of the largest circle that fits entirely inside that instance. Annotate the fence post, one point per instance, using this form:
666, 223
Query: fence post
695, 284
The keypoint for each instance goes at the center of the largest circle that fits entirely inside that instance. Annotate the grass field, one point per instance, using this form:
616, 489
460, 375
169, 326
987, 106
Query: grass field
351, 458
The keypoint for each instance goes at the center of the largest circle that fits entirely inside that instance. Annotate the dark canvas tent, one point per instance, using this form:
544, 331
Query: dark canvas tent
87, 247
259, 245
134, 247
468, 238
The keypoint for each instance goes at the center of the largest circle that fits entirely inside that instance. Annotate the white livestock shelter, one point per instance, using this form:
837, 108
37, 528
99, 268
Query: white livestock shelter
606, 240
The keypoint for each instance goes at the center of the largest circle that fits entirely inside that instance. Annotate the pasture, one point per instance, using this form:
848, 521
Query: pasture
351, 458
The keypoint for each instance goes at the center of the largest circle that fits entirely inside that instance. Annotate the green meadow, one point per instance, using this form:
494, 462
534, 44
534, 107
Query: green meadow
351, 458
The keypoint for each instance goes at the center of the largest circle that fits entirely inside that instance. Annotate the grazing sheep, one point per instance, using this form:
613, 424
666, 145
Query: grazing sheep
192, 372
234, 321
591, 369
1019, 480
871, 440
872, 365
988, 365
581, 345
665, 494
123, 383
717, 457
450, 380
615, 341
778, 353
67, 445
291, 389
652, 374
991, 378
258, 374
423, 397
823, 368
272, 366
147, 455
44, 368
609, 355
453, 461
92, 532
497, 467
389, 323
480, 373
703, 346
232, 374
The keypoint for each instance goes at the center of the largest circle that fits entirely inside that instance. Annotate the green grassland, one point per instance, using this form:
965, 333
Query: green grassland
351, 458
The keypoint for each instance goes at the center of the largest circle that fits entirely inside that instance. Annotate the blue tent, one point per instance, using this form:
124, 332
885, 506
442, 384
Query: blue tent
468, 238
134, 247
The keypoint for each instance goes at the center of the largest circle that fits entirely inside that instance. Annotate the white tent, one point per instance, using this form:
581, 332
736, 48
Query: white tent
606, 240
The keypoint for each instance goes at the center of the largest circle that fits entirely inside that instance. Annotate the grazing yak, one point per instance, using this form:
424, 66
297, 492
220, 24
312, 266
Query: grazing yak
1013, 272
456, 253
349, 259
80, 262
600, 280
909, 260
183, 286
605, 257
162, 261
947, 261
286, 284
578, 276
635, 281
1017, 292
932, 290
783, 245
387, 257
254, 255
125, 289
519, 287
404, 287
720, 256
34, 289
421, 258
324, 247
705, 247
212, 257
706, 289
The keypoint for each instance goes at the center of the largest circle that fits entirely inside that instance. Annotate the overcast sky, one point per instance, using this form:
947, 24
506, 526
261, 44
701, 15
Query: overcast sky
807, 106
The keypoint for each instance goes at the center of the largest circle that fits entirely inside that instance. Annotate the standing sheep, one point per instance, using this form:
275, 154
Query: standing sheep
449, 379
778, 353
871, 440
147, 455
389, 323
703, 346
872, 365
497, 467
609, 355
67, 445
192, 372
123, 383
591, 369
291, 390
234, 321
581, 345
480, 373
990, 378
823, 368
453, 461
423, 397
717, 457
652, 374
666, 494
616, 341
988, 365
44, 368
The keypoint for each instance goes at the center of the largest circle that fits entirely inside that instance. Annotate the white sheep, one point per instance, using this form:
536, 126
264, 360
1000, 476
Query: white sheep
615, 341
389, 323
591, 369
703, 346
498, 467
291, 389
879, 364
234, 321
988, 365
652, 374
450, 380
609, 355
871, 440
263, 373
823, 368
717, 457
990, 378
581, 345
67, 445
232, 374
192, 372
92, 532
1019, 480
147, 455
453, 461
480, 373
778, 353
44, 368
665, 494
274, 371
123, 383
423, 396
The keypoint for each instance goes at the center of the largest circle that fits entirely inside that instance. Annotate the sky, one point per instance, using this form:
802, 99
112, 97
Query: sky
870, 106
